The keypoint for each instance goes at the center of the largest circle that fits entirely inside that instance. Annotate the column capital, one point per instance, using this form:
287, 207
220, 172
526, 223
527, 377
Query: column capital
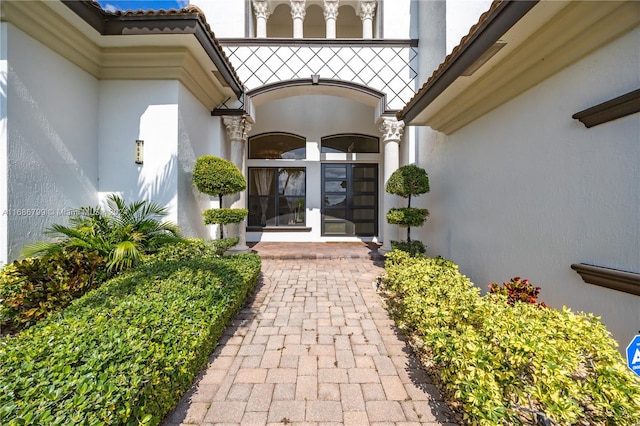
261, 9
391, 129
331, 9
298, 9
367, 9
238, 127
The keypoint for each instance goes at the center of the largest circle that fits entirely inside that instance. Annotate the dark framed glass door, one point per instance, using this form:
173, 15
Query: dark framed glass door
350, 199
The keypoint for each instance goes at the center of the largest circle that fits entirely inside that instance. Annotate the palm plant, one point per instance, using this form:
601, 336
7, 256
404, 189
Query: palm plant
122, 234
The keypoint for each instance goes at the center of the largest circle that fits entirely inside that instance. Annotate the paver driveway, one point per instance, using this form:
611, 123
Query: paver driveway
314, 346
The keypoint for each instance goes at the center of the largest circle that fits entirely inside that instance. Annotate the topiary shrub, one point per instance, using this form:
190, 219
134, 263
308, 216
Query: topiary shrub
406, 182
509, 364
224, 216
219, 177
216, 176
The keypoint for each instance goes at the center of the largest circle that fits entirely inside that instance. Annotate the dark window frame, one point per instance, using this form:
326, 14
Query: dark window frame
342, 135
276, 198
288, 134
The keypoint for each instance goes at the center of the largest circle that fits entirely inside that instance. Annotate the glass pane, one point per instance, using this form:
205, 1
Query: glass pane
277, 145
335, 186
365, 229
291, 181
364, 200
364, 214
335, 172
366, 172
262, 211
335, 200
291, 212
335, 214
350, 143
262, 181
335, 228
364, 186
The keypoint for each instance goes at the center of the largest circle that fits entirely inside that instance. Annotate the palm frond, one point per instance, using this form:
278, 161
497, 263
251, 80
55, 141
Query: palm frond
125, 254
40, 248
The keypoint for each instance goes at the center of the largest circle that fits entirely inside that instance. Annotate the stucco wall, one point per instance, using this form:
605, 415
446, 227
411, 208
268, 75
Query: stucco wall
432, 33
461, 16
145, 110
4, 203
51, 138
231, 23
526, 190
313, 117
399, 19
199, 134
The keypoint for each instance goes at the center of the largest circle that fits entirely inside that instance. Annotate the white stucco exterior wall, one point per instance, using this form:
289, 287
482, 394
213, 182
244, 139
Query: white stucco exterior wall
199, 134
52, 152
527, 191
4, 202
399, 18
145, 110
226, 17
433, 37
461, 16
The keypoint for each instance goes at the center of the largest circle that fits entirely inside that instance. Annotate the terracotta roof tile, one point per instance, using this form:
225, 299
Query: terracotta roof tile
454, 53
187, 10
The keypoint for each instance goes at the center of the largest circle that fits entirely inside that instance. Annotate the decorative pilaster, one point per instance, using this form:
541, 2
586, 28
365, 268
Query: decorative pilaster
367, 12
392, 131
297, 13
238, 128
262, 12
330, 17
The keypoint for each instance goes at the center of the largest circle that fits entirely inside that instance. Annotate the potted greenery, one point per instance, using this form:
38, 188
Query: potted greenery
219, 177
406, 182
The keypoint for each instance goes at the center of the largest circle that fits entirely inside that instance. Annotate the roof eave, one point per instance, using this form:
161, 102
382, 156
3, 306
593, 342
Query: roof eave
110, 24
504, 16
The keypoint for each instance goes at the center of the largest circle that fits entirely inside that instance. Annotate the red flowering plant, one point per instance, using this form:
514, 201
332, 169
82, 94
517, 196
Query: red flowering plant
517, 290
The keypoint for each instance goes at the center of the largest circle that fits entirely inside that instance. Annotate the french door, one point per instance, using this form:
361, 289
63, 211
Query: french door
349, 199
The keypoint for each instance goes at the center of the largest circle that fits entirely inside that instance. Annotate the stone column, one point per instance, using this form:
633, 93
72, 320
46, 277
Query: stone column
297, 13
367, 12
237, 129
262, 12
330, 17
391, 130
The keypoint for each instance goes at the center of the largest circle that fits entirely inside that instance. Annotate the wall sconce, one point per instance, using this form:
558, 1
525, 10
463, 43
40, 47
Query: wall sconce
139, 151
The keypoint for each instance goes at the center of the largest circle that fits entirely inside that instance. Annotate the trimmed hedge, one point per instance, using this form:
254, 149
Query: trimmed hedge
503, 364
224, 216
126, 352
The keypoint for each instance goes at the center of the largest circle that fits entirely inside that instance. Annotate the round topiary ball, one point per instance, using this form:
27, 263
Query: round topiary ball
407, 181
216, 176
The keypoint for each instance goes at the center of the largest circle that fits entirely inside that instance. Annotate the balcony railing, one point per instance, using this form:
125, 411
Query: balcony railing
389, 66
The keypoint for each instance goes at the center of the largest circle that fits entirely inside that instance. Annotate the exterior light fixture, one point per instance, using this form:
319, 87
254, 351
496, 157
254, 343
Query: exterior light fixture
139, 151
315, 78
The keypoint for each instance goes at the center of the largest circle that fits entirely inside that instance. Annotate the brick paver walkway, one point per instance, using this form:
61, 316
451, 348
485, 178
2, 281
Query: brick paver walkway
314, 346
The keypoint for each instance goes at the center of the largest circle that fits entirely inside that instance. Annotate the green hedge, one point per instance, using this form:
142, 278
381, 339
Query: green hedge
125, 352
224, 216
502, 364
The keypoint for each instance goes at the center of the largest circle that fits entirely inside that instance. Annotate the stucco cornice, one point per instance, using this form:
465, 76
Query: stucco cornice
37, 20
546, 39
628, 282
123, 61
